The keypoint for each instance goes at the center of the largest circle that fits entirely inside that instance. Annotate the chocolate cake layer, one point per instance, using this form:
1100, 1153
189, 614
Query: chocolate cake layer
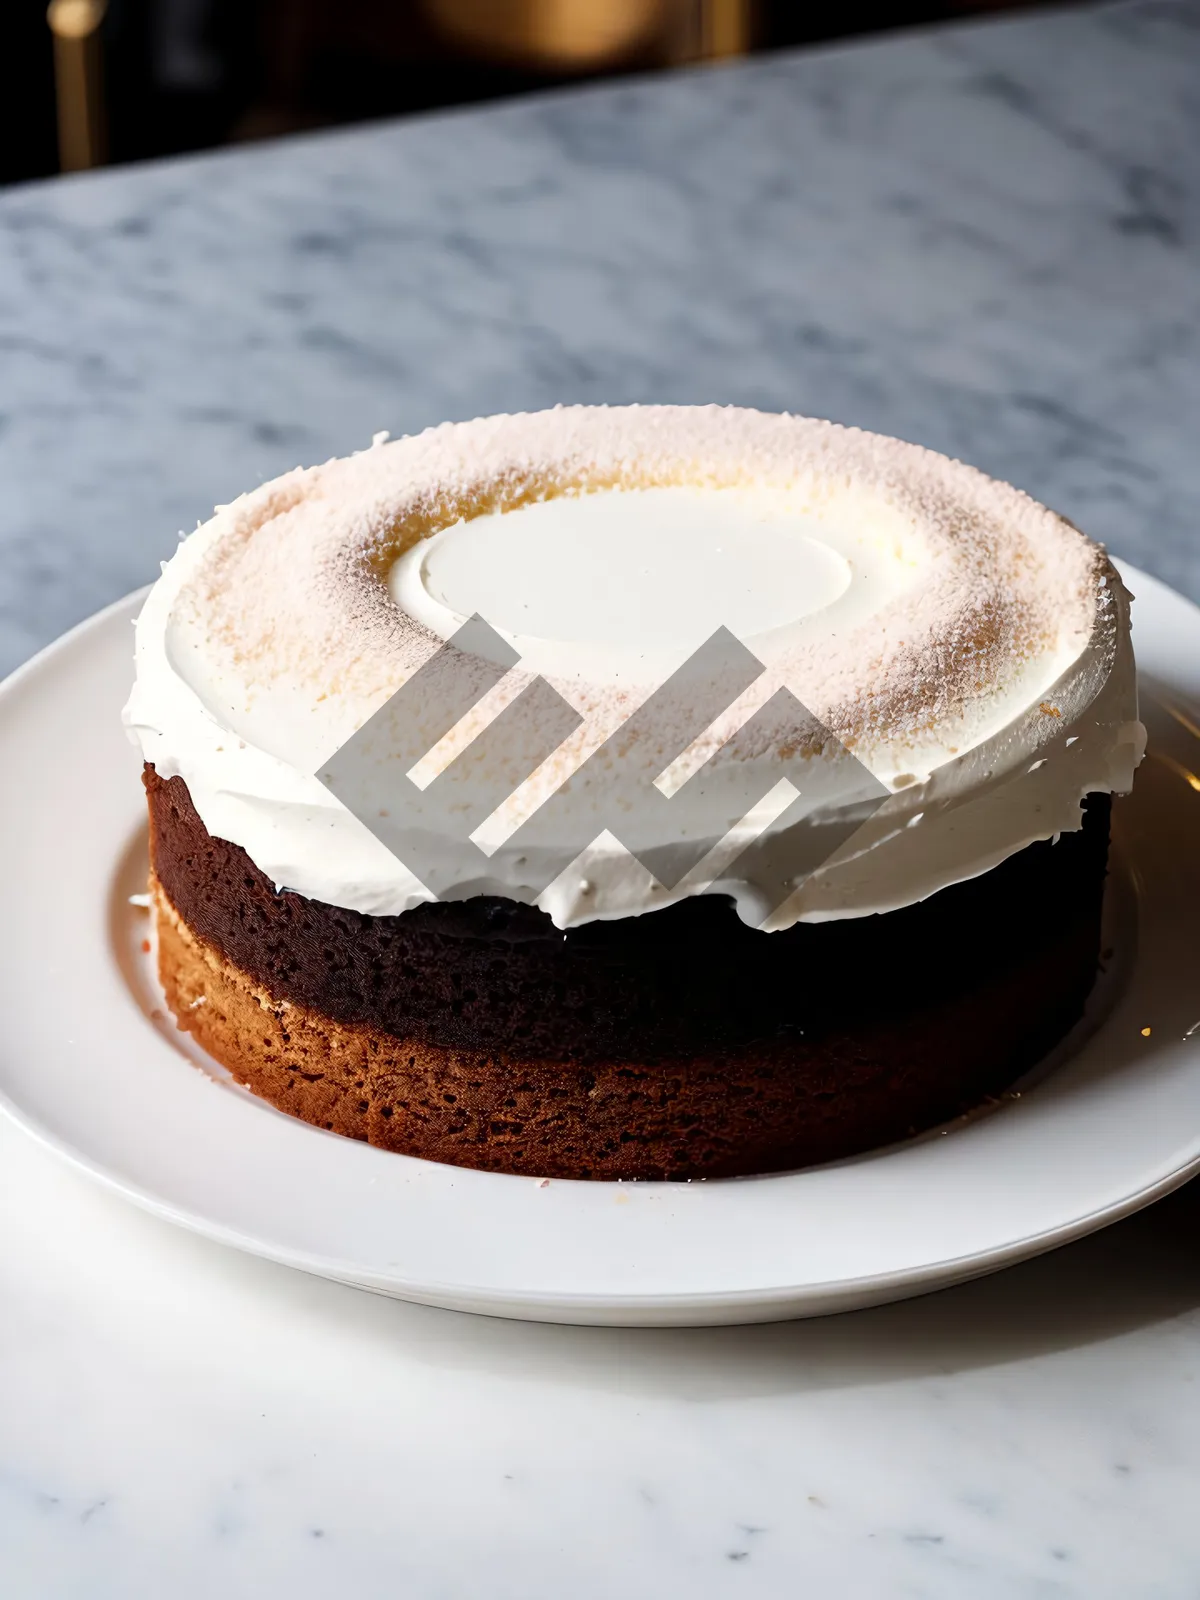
762, 1108
489, 974
672, 1045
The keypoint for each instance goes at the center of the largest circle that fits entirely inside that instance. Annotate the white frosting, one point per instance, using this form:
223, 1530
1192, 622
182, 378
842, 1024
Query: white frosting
973, 648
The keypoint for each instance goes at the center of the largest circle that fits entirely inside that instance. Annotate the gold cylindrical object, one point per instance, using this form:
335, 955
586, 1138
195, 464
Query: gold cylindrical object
725, 28
583, 35
571, 34
78, 82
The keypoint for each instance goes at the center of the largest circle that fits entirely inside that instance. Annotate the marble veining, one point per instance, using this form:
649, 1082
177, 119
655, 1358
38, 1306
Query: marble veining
983, 238
177, 1419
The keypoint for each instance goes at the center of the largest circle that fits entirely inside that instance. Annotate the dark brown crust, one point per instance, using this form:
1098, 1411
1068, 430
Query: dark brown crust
488, 974
755, 1111
460, 1033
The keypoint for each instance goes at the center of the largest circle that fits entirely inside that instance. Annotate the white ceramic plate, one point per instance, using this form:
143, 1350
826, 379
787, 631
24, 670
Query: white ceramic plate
91, 1066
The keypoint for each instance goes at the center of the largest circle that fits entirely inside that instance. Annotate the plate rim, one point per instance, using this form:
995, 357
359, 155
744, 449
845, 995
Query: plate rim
520, 1305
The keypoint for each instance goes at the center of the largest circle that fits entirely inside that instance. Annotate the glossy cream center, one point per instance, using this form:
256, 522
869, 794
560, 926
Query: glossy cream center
630, 573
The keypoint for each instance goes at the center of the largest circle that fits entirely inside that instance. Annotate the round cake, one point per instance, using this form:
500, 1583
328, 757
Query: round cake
646, 792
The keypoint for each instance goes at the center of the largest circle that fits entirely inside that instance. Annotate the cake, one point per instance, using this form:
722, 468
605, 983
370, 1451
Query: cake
643, 792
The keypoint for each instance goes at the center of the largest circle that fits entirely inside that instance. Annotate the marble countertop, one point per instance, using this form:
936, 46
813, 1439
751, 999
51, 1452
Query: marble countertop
985, 239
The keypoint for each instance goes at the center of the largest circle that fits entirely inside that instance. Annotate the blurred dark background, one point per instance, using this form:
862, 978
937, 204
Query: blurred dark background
83, 82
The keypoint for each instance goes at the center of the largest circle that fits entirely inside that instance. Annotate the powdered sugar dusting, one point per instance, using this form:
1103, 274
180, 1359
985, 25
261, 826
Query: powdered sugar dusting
295, 591
991, 689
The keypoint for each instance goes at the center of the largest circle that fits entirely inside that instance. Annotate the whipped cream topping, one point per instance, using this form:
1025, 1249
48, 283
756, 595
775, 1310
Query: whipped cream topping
969, 646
